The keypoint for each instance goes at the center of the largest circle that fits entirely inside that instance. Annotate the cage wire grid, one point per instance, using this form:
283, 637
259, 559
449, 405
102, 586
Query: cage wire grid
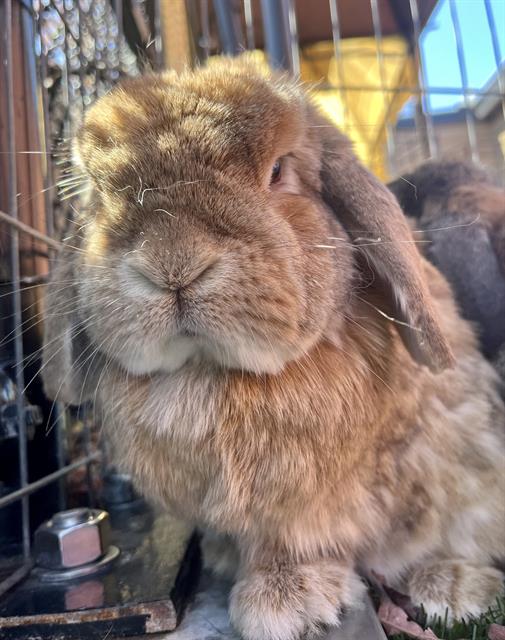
74, 52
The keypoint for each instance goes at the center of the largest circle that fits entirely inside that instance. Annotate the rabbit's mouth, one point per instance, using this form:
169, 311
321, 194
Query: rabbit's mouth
188, 333
189, 347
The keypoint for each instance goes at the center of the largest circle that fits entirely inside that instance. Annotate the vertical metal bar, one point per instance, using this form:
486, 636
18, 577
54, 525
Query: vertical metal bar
205, 27
50, 230
81, 59
275, 23
86, 420
293, 39
428, 122
48, 173
120, 41
158, 40
421, 134
469, 115
380, 61
61, 430
227, 33
335, 31
496, 50
15, 275
118, 10
98, 88
249, 24
65, 80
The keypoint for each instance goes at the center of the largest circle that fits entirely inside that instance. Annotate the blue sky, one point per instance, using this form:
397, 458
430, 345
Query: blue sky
439, 51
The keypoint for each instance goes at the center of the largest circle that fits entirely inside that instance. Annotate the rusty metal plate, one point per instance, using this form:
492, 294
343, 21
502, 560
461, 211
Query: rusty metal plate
145, 590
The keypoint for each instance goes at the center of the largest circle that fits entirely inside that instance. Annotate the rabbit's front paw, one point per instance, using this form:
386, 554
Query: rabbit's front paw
284, 602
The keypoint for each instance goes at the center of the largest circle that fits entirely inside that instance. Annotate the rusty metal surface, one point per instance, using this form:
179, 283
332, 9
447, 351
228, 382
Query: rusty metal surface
143, 618
144, 592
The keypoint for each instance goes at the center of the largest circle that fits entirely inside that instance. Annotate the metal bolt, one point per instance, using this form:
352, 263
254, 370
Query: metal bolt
72, 539
65, 519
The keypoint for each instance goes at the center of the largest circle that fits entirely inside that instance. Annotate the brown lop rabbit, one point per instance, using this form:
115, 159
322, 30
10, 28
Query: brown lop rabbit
273, 358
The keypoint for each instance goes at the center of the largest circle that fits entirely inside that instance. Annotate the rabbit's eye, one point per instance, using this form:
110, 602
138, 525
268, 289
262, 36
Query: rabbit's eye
276, 172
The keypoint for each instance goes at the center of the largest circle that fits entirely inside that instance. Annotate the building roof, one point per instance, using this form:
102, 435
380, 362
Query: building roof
490, 99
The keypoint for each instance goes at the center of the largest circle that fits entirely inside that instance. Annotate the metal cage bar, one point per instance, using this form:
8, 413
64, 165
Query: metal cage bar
428, 123
230, 39
469, 116
336, 38
205, 26
249, 24
27, 489
277, 34
496, 51
16, 275
377, 27
79, 80
293, 39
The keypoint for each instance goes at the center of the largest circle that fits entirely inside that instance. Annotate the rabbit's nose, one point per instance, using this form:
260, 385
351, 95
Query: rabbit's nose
157, 278
186, 276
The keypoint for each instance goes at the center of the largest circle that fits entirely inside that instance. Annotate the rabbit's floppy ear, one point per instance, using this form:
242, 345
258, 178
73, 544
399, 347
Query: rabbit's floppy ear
373, 219
67, 352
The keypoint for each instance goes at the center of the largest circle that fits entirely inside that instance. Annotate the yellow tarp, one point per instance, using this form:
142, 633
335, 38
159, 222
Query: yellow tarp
357, 104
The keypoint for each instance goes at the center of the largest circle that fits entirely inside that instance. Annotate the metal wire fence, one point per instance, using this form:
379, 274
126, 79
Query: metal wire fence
274, 27
59, 56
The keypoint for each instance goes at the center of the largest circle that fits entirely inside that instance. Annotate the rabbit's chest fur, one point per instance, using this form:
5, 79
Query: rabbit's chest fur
323, 457
230, 447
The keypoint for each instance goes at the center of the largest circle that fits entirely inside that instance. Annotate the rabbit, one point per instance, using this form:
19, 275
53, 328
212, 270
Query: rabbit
280, 365
461, 215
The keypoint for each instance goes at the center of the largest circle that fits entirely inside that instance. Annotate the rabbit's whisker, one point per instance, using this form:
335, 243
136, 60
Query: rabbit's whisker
452, 226
388, 317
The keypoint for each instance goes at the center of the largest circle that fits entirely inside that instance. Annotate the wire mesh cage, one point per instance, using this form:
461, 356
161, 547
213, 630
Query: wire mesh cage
58, 58
364, 61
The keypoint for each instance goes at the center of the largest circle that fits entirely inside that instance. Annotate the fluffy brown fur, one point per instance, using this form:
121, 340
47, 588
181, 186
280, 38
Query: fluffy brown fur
252, 381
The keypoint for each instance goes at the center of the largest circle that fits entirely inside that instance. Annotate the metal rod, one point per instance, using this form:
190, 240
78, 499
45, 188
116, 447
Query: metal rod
390, 143
47, 164
416, 90
61, 431
118, 10
293, 39
25, 228
274, 27
15, 577
428, 122
227, 33
336, 36
15, 276
87, 454
158, 39
496, 51
205, 26
65, 80
249, 24
28, 489
81, 58
469, 115
420, 129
